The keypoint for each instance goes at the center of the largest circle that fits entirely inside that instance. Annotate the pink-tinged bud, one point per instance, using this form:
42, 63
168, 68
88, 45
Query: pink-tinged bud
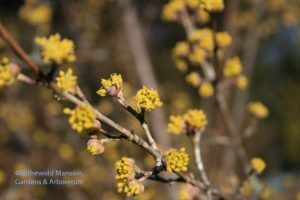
14, 69
94, 146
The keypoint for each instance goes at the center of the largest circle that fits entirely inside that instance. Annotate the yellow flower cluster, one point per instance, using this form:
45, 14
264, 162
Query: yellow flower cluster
223, 39
206, 90
242, 82
147, 99
193, 79
111, 86
125, 177
55, 49
213, 5
132, 188
233, 67
258, 165
177, 160
258, 109
66, 81
125, 168
193, 118
172, 10
6, 75
175, 125
81, 118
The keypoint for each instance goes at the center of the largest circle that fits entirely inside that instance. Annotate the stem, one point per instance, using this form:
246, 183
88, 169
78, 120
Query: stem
197, 152
4, 34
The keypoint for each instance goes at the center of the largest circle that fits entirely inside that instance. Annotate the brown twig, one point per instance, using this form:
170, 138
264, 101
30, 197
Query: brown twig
4, 34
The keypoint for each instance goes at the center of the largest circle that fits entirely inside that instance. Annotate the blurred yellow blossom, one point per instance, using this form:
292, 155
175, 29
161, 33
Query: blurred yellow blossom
193, 79
181, 49
258, 165
36, 15
55, 49
6, 75
232, 67
172, 9
246, 189
214, 5
81, 118
177, 160
223, 39
181, 65
111, 86
67, 81
66, 151
175, 125
197, 56
203, 16
206, 90
147, 99
204, 37
195, 118
242, 82
258, 109
2, 176
265, 193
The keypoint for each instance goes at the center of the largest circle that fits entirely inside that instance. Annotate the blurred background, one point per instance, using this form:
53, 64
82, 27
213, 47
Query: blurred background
130, 38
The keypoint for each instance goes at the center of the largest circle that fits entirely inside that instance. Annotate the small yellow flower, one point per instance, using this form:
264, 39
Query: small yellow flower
172, 9
258, 165
147, 99
242, 82
175, 125
206, 90
203, 16
66, 81
233, 67
55, 49
197, 56
193, 79
214, 5
258, 109
223, 39
181, 65
125, 168
195, 118
6, 75
181, 49
111, 86
81, 118
177, 160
